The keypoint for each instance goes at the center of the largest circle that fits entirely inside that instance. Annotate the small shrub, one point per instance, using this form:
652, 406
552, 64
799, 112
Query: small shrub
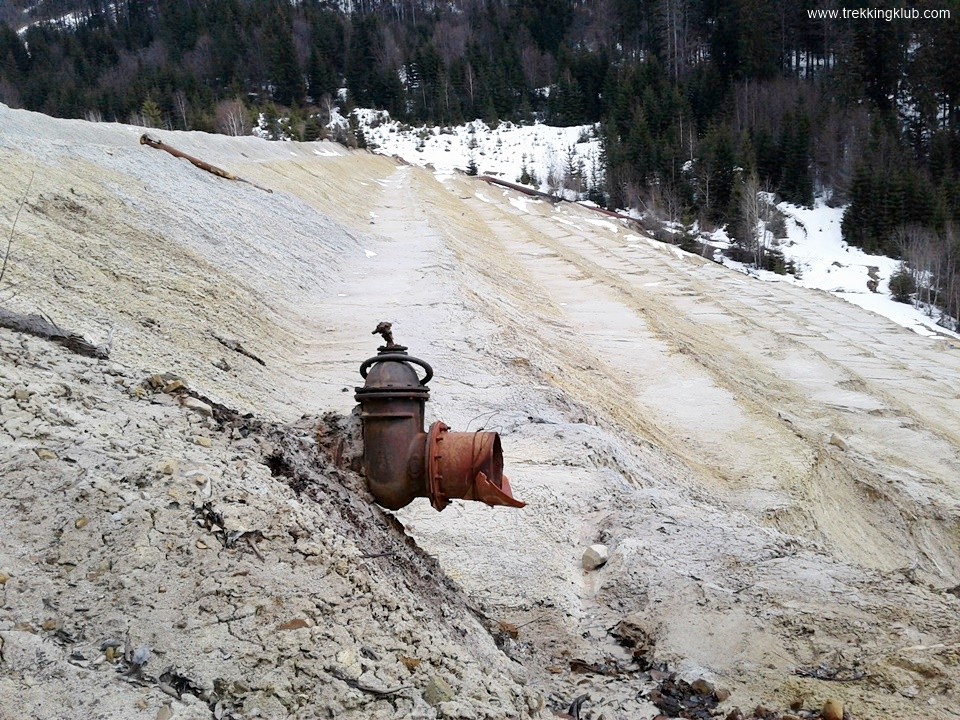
777, 224
902, 285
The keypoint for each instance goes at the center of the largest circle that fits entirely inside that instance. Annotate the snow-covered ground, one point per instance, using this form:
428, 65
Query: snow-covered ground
814, 240
825, 262
504, 151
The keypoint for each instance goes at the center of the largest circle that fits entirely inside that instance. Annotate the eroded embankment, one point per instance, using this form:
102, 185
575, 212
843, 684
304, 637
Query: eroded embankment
160, 551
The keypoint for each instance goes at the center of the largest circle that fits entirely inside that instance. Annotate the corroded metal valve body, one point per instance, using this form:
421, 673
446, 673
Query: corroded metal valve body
401, 460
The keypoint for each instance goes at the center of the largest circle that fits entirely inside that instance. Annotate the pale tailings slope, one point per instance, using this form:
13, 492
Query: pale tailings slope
775, 471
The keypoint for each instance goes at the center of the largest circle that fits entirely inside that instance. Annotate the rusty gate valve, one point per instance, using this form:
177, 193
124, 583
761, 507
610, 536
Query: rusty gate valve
400, 459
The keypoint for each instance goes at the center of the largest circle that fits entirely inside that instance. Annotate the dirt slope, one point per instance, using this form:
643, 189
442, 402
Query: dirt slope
774, 470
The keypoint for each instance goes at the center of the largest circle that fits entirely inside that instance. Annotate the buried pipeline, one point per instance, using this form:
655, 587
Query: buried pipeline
401, 460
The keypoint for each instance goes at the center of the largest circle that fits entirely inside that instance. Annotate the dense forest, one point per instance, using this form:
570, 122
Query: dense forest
700, 104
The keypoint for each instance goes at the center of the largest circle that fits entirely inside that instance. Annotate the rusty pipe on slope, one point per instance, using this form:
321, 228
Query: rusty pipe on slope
402, 461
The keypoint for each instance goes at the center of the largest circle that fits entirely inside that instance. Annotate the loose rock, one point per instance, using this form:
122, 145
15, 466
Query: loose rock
832, 710
167, 467
197, 406
702, 687
437, 691
838, 442
595, 556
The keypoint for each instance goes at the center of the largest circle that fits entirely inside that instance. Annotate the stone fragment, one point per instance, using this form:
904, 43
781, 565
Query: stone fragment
722, 694
410, 663
838, 442
702, 687
832, 710
4, 577
173, 386
81, 522
167, 467
165, 713
595, 556
349, 663
45, 454
197, 406
21, 394
437, 691
294, 624
203, 441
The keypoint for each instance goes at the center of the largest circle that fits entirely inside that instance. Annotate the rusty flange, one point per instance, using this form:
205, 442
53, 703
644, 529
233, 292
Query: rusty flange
467, 466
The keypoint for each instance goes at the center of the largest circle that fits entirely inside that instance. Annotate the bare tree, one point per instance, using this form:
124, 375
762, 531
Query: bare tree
755, 211
919, 249
673, 27
182, 108
231, 118
327, 106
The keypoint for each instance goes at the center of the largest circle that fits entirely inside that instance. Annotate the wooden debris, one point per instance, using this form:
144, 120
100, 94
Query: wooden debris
356, 685
40, 327
238, 348
219, 172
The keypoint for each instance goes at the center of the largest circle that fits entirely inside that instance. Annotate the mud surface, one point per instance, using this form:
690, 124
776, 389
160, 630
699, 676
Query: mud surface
774, 470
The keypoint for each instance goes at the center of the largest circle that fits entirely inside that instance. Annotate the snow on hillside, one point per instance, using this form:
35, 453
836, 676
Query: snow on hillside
814, 240
825, 262
546, 152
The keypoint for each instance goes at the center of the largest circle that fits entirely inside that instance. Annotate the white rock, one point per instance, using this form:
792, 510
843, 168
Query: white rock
595, 556
837, 441
197, 405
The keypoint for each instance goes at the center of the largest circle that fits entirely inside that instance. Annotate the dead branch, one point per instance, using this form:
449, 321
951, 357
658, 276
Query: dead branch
237, 347
554, 198
203, 165
343, 677
6, 255
39, 327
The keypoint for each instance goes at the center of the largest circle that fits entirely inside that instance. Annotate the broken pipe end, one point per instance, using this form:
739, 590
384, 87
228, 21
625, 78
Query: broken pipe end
466, 466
